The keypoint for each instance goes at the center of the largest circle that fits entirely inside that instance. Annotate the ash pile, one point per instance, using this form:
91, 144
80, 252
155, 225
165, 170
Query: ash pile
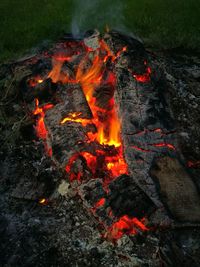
105, 148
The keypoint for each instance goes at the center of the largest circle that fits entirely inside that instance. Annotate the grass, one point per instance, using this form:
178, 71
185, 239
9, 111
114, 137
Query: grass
166, 23
163, 23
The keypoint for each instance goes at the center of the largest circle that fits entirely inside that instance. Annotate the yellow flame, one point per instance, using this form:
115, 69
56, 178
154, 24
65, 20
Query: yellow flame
74, 117
89, 78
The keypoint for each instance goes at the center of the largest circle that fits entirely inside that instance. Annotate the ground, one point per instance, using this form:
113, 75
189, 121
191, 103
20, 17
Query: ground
61, 232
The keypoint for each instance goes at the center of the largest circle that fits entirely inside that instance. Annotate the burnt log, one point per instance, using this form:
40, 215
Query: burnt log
66, 139
148, 134
147, 130
126, 198
139, 105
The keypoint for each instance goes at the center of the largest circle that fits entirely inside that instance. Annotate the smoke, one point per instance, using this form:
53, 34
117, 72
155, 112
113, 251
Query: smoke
96, 14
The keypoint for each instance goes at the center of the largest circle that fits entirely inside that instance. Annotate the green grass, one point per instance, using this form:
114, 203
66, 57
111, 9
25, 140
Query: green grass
163, 23
166, 23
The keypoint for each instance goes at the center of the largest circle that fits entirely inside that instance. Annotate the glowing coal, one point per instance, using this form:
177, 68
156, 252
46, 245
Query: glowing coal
85, 134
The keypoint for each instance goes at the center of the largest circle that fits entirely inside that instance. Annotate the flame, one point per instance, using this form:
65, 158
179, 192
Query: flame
89, 80
114, 130
56, 74
75, 117
108, 130
117, 165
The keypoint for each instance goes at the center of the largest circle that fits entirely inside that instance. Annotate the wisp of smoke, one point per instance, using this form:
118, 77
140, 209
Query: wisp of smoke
96, 14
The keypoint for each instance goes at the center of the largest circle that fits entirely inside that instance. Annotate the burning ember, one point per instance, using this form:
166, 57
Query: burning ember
101, 156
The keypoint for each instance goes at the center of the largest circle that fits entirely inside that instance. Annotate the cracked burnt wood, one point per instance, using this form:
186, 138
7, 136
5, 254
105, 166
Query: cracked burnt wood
65, 139
124, 198
148, 132
68, 142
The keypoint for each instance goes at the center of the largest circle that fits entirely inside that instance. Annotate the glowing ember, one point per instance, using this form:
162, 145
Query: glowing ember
170, 146
107, 162
164, 145
34, 81
43, 201
117, 164
100, 203
144, 78
40, 127
126, 225
141, 149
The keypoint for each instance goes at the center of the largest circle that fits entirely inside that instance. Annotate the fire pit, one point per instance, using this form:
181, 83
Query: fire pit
106, 125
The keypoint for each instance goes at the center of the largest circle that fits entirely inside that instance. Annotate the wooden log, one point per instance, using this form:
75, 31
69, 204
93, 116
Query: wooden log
144, 115
69, 140
65, 139
148, 135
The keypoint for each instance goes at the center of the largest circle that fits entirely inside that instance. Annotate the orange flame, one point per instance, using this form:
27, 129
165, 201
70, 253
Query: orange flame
75, 117
89, 80
56, 74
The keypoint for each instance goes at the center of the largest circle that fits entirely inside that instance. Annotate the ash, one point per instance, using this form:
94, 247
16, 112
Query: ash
45, 222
